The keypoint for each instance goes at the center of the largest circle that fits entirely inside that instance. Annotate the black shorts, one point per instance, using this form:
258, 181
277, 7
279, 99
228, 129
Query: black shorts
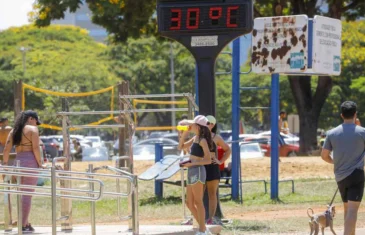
352, 187
213, 172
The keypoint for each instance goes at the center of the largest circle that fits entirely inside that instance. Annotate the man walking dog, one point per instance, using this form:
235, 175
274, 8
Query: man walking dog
347, 141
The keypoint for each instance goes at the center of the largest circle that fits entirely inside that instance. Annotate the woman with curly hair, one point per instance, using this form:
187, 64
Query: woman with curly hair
25, 138
200, 146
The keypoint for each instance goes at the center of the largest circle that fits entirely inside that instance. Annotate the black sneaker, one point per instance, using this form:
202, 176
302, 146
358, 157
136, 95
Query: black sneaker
28, 229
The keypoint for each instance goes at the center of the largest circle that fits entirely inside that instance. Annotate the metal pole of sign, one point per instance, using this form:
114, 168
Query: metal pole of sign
92, 203
235, 117
158, 158
275, 132
19, 203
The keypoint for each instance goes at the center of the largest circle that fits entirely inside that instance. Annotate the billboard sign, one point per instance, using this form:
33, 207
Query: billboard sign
327, 34
280, 44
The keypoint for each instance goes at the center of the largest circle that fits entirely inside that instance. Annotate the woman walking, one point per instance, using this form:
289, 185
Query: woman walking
25, 138
212, 170
199, 156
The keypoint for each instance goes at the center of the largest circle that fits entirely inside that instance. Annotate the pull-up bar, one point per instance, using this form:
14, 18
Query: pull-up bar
156, 96
122, 111
96, 126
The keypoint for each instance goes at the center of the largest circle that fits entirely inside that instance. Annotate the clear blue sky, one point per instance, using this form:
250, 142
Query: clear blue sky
14, 12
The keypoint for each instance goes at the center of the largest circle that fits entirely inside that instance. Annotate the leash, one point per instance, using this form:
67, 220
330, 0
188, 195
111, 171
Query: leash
333, 198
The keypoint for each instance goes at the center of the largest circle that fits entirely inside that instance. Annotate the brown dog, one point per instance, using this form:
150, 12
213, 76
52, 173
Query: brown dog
324, 220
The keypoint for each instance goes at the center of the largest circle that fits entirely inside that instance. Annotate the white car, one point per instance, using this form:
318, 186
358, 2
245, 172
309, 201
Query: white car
96, 141
288, 138
251, 150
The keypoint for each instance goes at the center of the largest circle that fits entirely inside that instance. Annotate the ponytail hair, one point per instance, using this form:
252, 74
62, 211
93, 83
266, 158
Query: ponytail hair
20, 123
204, 132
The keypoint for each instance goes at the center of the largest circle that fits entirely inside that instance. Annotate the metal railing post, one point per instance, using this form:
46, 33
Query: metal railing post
8, 221
183, 192
66, 204
54, 198
135, 219
19, 203
92, 203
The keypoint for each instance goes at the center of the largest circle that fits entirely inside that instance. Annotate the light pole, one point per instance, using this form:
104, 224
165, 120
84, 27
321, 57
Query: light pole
173, 116
24, 52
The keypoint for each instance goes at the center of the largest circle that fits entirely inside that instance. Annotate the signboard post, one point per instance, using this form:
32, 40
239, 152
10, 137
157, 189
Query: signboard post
293, 45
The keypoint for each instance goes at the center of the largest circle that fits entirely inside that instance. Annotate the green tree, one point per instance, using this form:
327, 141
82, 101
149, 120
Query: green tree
121, 18
60, 58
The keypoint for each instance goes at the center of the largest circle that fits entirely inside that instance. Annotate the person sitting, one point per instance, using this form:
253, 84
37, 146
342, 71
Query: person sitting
78, 149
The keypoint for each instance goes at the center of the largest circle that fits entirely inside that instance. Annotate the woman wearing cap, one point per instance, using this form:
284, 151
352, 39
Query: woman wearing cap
213, 171
25, 138
200, 146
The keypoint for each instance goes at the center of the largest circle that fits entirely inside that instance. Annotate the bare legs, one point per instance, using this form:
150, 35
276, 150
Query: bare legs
212, 187
194, 202
350, 209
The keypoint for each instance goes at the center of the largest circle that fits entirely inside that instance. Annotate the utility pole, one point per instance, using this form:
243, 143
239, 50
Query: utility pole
173, 116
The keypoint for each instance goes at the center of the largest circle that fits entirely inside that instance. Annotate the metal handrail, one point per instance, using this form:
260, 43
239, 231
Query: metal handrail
65, 193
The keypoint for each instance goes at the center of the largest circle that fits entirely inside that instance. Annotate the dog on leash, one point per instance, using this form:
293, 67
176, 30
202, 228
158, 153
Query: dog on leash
322, 220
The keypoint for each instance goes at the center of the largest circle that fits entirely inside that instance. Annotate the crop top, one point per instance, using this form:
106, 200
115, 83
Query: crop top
196, 150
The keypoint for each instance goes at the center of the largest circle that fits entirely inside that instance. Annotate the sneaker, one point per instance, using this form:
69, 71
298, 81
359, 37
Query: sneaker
30, 227
209, 222
27, 229
187, 222
207, 232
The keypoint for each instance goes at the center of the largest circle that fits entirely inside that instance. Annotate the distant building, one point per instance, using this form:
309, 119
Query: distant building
82, 18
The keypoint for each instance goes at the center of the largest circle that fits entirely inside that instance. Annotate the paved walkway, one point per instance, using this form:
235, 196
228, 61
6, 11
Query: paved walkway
122, 230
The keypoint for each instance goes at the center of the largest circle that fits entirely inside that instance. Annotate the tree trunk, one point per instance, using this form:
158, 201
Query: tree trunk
309, 107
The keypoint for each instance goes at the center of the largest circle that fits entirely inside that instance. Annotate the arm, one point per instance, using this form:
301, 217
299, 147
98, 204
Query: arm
326, 150
35, 145
325, 154
7, 149
225, 147
206, 160
182, 144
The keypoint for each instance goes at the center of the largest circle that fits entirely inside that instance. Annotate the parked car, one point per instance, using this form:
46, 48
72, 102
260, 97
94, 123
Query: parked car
116, 144
226, 135
96, 141
288, 138
169, 145
144, 152
157, 134
95, 154
173, 136
52, 146
286, 150
251, 150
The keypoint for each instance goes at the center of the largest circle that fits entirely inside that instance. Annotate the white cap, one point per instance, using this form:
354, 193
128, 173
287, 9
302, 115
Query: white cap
200, 119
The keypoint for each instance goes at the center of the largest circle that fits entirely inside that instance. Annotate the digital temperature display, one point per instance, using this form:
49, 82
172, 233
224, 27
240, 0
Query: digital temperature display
204, 16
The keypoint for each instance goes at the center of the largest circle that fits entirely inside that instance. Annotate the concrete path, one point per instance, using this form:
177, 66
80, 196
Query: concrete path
123, 230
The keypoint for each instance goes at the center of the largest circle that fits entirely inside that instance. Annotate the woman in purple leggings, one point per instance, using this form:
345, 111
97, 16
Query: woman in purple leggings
25, 137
